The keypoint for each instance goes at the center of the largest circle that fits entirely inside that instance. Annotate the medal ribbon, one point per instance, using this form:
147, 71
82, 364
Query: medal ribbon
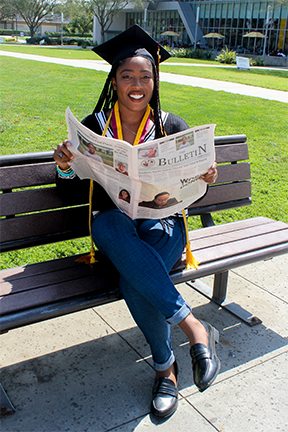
117, 127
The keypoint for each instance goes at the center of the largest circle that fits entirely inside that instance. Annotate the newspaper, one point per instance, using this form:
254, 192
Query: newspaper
152, 180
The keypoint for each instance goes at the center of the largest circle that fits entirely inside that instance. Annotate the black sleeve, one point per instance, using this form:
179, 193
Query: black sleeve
77, 190
175, 124
91, 123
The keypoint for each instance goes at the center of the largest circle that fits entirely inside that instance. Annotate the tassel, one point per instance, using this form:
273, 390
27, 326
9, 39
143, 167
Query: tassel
191, 261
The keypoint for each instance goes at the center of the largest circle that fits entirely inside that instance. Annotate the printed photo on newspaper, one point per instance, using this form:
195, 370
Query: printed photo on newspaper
151, 180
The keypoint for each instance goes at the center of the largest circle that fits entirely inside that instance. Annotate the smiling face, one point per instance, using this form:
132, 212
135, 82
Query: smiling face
134, 84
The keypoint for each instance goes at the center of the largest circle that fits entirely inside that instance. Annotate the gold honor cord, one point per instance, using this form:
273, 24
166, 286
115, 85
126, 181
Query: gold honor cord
140, 129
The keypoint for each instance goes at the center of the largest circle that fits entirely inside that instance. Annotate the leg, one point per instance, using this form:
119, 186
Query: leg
115, 234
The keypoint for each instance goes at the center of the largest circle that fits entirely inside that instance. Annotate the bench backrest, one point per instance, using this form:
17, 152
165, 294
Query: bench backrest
33, 213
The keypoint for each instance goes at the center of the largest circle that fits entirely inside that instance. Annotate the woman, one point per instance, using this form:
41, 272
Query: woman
144, 251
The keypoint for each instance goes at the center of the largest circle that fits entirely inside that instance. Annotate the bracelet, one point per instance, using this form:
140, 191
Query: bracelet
66, 174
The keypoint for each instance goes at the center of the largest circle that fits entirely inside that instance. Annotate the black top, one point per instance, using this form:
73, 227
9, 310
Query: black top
77, 189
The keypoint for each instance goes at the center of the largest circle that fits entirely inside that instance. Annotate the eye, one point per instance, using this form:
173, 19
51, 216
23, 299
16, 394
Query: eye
127, 77
146, 78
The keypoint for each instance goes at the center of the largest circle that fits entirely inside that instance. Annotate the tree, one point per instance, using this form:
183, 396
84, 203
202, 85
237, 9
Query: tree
81, 12
6, 11
34, 12
105, 10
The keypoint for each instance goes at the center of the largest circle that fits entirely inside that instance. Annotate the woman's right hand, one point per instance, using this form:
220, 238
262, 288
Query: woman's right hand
62, 155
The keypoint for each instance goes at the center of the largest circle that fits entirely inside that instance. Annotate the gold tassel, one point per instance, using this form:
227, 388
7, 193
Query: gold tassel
191, 261
90, 258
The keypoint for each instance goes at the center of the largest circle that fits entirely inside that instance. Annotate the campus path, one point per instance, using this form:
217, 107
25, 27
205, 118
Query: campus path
259, 92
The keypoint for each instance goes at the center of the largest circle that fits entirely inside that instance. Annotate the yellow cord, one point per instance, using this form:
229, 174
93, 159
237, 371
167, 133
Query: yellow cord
191, 261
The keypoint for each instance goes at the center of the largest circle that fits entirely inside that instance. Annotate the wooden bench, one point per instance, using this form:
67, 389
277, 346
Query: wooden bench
33, 214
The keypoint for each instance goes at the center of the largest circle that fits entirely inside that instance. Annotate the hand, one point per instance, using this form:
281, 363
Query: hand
62, 155
211, 175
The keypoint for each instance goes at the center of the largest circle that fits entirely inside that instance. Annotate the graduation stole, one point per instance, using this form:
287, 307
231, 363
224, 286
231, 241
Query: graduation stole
191, 262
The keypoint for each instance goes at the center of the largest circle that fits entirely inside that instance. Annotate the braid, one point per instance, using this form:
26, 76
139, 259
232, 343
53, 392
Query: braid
155, 105
108, 95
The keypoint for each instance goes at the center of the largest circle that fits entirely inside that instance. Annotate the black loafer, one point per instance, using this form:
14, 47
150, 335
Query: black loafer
205, 363
165, 397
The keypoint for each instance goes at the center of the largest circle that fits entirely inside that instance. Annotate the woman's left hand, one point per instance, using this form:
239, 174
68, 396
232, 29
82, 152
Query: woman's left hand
211, 175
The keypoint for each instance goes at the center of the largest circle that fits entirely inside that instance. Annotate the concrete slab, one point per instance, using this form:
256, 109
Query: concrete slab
96, 385
270, 275
255, 400
185, 419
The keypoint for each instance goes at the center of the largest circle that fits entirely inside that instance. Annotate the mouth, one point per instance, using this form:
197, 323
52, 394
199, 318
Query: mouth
135, 96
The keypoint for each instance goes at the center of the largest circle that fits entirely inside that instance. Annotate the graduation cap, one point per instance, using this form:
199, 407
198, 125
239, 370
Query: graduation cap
130, 43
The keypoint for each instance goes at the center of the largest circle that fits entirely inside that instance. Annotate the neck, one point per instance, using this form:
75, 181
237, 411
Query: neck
132, 118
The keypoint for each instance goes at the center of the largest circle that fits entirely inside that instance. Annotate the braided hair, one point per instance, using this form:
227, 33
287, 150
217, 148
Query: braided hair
108, 97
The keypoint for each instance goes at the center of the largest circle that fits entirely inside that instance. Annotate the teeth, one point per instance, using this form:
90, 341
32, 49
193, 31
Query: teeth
136, 96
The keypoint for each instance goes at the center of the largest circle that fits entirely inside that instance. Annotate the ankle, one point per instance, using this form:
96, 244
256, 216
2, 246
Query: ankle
169, 373
194, 330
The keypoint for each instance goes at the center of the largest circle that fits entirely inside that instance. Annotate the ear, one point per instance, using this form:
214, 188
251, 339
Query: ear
113, 80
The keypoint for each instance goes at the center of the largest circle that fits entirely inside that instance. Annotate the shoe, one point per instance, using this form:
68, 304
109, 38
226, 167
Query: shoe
205, 363
165, 396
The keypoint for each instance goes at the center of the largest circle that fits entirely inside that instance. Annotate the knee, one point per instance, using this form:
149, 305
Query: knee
110, 225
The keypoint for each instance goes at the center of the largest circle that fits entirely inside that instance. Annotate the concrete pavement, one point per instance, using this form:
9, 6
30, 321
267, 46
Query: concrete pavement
259, 92
91, 370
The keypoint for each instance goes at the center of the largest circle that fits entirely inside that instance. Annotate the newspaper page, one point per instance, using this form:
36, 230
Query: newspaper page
152, 180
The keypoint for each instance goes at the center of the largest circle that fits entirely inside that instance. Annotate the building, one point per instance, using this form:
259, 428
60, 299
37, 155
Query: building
193, 19
18, 24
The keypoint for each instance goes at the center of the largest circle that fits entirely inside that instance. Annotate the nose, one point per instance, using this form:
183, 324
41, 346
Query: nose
137, 82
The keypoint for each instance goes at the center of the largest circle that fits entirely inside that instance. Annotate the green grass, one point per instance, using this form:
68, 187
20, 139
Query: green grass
33, 102
64, 52
271, 79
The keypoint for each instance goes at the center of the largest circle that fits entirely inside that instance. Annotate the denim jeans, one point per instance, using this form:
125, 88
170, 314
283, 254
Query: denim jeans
144, 251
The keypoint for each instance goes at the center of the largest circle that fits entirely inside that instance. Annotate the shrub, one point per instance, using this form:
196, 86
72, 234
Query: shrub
10, 32
189, 53
258, 62
226, 56
35, 40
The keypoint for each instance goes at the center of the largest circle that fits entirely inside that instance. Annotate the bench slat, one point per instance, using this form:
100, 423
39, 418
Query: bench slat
44, 295
77, 270
32, 200
27, 175
236, 248
231, 153
71, 220
224, 193
229, 227
54, 265
249, 233
233, 172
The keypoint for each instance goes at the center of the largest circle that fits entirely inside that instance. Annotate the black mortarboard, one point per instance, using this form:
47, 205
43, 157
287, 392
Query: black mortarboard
131, 42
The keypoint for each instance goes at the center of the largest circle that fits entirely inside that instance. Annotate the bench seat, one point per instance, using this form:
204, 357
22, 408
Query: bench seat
49, 289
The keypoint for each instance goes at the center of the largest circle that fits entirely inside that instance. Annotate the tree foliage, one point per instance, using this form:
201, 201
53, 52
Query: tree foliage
105, 11
80, 13
34, 12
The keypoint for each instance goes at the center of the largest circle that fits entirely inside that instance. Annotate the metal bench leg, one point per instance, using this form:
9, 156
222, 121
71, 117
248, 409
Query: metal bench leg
6, 405
218, 295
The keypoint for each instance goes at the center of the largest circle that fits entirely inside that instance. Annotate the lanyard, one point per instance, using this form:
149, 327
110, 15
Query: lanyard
117, 127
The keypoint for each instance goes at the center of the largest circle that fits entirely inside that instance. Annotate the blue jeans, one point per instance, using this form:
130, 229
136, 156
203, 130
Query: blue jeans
144, 251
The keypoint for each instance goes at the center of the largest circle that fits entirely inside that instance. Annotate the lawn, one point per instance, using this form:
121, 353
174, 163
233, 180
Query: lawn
35, 96
261, 77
